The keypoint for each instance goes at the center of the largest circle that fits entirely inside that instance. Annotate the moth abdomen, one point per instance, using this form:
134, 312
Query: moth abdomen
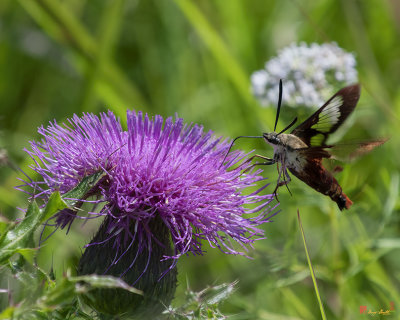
317, 177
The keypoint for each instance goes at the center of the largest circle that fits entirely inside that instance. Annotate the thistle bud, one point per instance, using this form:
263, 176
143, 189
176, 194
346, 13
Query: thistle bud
136, 264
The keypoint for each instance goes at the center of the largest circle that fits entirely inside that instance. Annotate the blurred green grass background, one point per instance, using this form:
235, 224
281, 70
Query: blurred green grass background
195, 58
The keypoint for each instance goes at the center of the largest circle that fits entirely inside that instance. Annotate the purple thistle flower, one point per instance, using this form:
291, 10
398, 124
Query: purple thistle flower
172, 171
156, 171
71, 151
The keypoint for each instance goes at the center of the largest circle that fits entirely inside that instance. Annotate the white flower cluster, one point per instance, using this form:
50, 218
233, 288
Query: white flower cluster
310, 74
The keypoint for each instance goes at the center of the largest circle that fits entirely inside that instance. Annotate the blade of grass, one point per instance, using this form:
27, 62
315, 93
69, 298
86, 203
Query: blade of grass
357, 27
217, 47
296, 302
222, 54
107, 35
58, 22
321, 306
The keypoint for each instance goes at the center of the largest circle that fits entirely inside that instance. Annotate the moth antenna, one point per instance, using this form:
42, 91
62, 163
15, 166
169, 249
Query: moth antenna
290, 125
279, 104
230, 147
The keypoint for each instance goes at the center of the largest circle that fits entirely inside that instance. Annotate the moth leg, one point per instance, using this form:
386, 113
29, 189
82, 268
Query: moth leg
285, 179
285, 176
278, 182
275, 194
259, 156
267, 163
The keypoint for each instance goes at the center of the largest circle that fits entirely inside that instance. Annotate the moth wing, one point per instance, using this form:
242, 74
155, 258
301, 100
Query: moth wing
311, 153
346, 152
350, 151
315, 130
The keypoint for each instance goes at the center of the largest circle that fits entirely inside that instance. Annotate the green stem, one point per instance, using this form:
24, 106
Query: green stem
321, 306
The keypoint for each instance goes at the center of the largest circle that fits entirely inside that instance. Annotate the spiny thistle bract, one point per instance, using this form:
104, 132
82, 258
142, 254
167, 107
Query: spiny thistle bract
165, 192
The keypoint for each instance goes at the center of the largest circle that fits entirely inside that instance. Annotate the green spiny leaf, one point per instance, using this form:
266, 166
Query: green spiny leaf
19, 236
84, 188
96, 281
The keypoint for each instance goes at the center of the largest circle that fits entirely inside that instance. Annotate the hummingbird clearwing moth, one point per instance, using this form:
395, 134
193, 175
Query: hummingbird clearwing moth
301, 152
